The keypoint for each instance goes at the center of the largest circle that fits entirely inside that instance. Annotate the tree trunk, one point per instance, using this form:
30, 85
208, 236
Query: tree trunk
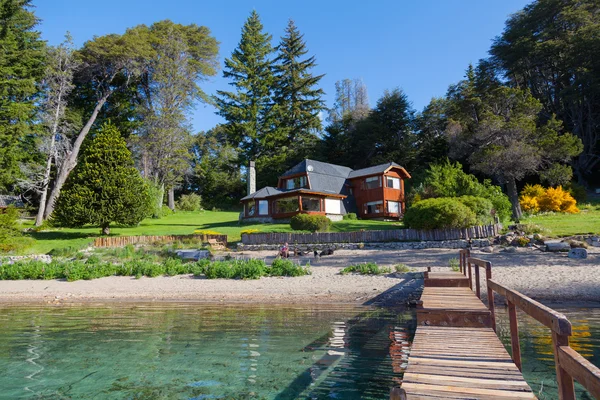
105, 229
513, 195
171, 200
39, 219
71, 161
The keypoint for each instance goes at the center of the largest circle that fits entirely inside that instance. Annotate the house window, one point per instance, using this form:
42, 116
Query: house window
373, 182
374, 207
311, 204
392, 183
263, 207
286, 205
296, 183
250, 208
393, 207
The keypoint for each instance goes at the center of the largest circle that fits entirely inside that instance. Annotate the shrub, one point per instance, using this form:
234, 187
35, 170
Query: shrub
350, 216
449, 180
206, 232
281, 267
11, 237
402, 268
480, 206
249, 231
439, 213
557, 199
312, 223
535, 198
369, 268
189, 202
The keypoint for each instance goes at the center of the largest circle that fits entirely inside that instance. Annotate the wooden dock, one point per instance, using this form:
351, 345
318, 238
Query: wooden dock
456, 354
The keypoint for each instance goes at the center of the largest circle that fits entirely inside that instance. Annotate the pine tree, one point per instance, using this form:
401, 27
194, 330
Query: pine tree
247, 110
104, 187
297, 100
21, 66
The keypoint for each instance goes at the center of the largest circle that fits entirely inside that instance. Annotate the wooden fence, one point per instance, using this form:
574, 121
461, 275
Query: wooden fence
120, 241
395, 235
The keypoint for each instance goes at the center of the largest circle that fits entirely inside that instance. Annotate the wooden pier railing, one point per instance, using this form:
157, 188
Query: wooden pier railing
569, 364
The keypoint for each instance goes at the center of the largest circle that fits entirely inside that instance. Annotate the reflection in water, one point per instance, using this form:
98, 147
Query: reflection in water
536, 347
200, 352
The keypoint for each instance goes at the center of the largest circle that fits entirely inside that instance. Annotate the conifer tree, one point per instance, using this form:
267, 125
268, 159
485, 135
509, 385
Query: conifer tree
104, 187
297, 99
21, 66
247, 110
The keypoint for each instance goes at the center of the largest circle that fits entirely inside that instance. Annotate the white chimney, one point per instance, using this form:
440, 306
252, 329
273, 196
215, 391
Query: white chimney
251, 178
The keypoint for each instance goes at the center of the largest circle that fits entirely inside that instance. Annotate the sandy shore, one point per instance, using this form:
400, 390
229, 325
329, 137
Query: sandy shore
543, 276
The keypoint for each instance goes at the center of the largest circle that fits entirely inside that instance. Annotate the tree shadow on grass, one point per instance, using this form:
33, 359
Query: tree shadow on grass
59, 235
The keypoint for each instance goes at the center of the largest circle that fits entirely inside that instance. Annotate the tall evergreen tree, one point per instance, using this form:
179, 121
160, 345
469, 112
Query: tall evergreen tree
247, 110
297, 99
21, 66
104, 187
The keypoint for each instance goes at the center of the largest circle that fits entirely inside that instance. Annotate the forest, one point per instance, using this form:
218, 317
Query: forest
528, 113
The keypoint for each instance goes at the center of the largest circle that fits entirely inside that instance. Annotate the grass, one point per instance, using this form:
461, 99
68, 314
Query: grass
180, 223
561, 225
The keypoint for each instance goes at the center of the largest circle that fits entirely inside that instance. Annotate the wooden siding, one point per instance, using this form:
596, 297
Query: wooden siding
120, 241
397, 235
383, 193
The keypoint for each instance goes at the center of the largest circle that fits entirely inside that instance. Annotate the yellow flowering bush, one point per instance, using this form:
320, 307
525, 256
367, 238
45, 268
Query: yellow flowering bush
529, 203
205, 232
535, 198
249, 231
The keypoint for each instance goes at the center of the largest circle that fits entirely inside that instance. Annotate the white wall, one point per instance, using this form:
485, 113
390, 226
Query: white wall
333, 206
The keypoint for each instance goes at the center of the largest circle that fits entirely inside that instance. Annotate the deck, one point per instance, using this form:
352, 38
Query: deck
456, 354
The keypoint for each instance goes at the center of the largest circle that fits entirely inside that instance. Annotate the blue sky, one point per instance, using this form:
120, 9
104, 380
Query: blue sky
421, 46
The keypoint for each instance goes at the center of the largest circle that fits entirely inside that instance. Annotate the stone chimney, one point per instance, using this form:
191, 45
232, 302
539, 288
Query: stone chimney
251, 178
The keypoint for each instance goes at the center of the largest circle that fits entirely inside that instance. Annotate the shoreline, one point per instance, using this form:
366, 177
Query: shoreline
550, 278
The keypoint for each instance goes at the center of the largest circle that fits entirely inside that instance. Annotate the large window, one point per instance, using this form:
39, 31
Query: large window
296, 183
393, 207
374, 207
311, 204
263, 207
250, 208
287, 205
392, 183
373, 182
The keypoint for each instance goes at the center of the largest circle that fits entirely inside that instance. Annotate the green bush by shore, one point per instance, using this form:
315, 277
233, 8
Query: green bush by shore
93, 268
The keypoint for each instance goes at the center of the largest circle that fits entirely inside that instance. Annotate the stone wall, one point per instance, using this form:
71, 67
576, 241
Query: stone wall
443, 244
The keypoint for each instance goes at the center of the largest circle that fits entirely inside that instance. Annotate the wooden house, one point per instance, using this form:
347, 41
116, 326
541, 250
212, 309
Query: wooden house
314, 187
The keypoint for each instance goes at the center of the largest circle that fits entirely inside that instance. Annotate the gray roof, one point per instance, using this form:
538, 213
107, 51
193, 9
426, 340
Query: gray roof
262, 193
377, 169
7, 200
324, 178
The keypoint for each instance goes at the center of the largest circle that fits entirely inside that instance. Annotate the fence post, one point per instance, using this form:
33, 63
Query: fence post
514, 334
470, 275
566, 389
490, 294
477, 282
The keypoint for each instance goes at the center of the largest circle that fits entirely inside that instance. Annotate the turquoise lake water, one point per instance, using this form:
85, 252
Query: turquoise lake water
536, 350
199, 351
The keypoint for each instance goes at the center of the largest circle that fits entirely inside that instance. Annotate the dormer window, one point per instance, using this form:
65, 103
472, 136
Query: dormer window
295, 183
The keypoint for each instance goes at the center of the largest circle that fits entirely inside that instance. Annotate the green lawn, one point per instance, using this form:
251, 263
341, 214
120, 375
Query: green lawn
180, 223
560, 225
